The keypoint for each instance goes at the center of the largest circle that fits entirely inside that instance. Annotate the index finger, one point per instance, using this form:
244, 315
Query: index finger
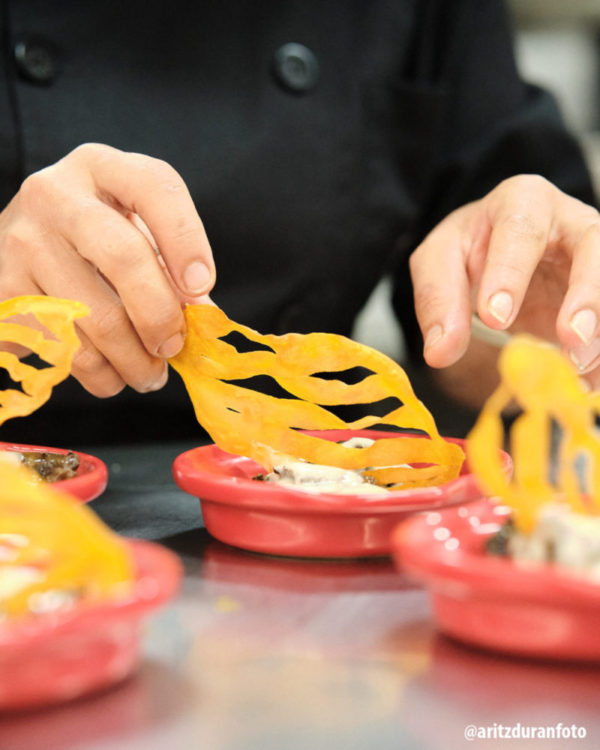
153, 189
520, 215
442, 293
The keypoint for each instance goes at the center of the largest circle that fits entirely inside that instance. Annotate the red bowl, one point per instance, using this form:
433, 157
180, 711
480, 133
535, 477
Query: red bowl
90, 480
270, 518
527, 610
59, 656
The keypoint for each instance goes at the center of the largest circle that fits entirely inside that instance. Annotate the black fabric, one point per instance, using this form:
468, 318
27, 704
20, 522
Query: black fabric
308, 198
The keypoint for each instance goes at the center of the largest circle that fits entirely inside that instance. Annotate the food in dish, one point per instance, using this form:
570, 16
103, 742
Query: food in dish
285, 520
534, 610
72, 595
46, 465
517, 572
89, 481
274, 430
560, 536
43, 326
554, 493
319, 478
54, 553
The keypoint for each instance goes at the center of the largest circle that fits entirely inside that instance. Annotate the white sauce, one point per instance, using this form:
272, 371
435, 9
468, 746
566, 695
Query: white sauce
570, 540
319, 478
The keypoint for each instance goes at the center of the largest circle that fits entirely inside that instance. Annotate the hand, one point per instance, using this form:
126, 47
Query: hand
526, 257
119, 232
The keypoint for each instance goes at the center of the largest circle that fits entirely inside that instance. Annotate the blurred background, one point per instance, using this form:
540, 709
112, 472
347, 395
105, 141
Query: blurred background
557, 47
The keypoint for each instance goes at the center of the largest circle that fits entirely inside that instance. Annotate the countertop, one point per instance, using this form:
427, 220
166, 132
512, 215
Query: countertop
259, 652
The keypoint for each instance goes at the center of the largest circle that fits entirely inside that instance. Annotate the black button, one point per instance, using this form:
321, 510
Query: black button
37, 60
296, 67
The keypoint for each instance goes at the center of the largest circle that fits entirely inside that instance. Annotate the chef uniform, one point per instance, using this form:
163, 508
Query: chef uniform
320, 142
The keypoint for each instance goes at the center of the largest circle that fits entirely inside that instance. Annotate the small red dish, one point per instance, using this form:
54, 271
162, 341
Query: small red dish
493, 602
91, 478
55, 657
273, 519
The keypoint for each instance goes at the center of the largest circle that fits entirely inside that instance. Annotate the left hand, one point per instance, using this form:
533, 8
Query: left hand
526, 258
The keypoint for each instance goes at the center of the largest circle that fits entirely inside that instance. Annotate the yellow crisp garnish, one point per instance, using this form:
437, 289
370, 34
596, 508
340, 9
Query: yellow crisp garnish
546, 387
50, 542
57, 317
266, 428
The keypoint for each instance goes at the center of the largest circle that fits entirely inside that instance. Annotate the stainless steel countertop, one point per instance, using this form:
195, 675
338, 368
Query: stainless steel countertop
271, 653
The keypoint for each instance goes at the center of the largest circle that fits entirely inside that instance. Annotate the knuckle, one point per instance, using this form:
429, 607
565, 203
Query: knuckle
20, 247
157, 322
429, 299
523, 226
165, 180
15, 242
118, 250
95, 374
589, 214
161, 172
525, 183
594, 227
109, 322
82, 212
165, 171
36, 190
86, 151
588, 222
88, 361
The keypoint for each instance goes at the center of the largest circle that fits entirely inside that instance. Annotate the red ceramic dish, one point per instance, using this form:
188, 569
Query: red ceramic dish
270, 518
535, 611
59, 656
91, 478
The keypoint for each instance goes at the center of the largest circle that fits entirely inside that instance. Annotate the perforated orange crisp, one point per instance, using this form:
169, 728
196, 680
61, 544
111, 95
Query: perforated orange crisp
55, 345
267, 428
49, 542
550, 464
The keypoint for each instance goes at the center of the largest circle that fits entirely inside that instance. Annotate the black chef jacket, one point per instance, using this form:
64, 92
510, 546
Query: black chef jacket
316, 168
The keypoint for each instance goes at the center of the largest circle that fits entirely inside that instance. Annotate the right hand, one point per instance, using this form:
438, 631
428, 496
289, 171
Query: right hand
119, 232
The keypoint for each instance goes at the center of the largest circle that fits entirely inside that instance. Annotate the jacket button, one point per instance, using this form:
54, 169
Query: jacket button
296, 67
36, 60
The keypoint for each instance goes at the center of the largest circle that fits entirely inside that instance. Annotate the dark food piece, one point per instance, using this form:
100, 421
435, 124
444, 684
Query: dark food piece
52, 467
498, 543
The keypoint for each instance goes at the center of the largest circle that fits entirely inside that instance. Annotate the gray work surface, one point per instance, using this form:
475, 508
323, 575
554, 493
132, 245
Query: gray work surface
264, 653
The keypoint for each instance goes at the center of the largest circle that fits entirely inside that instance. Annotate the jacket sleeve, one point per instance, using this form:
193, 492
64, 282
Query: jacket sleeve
493, 124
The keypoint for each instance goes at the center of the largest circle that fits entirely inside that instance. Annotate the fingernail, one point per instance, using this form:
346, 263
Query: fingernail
584, 324
171, 346
500, 305
196, 277
585, 356
434, 334
160, 382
